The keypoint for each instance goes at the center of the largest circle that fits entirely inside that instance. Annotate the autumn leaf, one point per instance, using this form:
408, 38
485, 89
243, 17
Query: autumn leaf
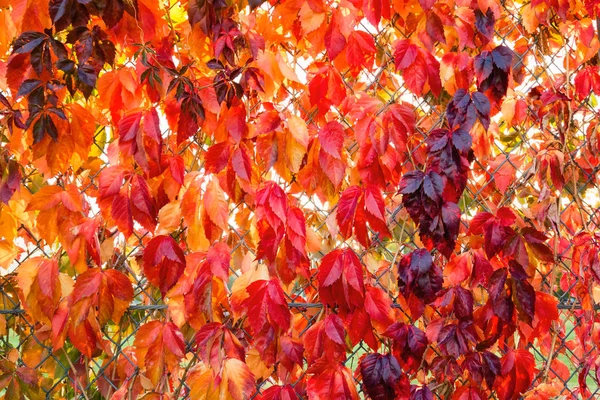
381, 375
164, 262
418, 67
267, 305
409, 344
418, 275
326, 89
278, 393
356, 207
330, 380
326, 338
109, 292
518, 371
233, 381
42, 291
341, 280
297, 180
161, 347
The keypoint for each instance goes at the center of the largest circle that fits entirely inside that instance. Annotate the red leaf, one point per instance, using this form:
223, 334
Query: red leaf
330, 381
587, 79
121, 212
360, 52
334, 168
379, 306
326, 339
217, 157
546, 311
129, 126
346, 209
216, 342
108, 292
334, 39
241, 163
161, 346
356, 207
143, 207
518, 371
332, 139
327, 89
267, 305
267, 122
399, 121
415, 76
164, 262
375, 9
405, 54
278, 393
236, 123
219, 257
341, 280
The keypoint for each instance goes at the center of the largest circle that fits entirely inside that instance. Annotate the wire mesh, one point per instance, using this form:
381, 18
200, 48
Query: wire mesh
67, 374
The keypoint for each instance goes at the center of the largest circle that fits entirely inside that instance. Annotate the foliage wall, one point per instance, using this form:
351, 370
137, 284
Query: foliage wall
322, 199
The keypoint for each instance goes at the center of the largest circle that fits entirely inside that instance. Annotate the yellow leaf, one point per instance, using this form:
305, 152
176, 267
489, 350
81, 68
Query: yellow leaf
8, 253
256, 364
297, 127
215, 204
236, 379
169, 218
201, 385
309, 19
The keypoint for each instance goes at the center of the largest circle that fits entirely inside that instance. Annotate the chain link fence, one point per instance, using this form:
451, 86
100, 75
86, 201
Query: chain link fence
507, 165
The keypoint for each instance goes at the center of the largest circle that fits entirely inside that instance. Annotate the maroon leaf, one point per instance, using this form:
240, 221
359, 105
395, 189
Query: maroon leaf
420, 393
417, 274
463, 303
457, 339
524, 299
435, 27
380, 374
502, 305
409, 344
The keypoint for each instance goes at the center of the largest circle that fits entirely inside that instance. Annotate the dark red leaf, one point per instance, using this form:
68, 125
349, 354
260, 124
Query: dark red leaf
418, 275
524, 299
463, 303
380, 375
435, 27
409, 344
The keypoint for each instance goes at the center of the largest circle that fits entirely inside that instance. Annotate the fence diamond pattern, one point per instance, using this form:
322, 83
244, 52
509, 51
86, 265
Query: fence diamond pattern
512, 149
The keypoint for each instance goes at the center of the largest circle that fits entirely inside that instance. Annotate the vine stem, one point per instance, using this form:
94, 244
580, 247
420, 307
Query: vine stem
183, 377
552, 279
75, 375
